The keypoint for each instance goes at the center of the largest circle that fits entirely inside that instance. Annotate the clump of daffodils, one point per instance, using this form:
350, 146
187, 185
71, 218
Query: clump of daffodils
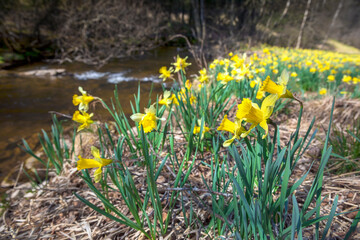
250, 113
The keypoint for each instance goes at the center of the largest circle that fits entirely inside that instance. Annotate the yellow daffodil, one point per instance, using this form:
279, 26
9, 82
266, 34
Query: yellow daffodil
322, 91
260, 94
293, 74
84, 118
224, 78
183, 96
275, 71
232, 127
356, 80
203, 76
165, 73
238, 62
280, 88
253, 83
147, 120
180, 64
188, 85
168, 99
331, 78
198, 128
251, 113
97, 162
243, 72
347, 79
83, 100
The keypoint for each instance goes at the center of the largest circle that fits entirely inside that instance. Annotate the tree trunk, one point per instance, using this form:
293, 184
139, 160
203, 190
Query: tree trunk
286, 9
306, 13
196, 14
202, 20
336, 14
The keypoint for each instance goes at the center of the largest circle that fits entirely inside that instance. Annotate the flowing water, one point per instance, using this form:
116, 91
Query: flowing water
25, 101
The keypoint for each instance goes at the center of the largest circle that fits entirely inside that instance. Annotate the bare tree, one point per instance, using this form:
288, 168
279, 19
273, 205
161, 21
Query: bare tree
94, 33
286, 9
306, 13
336, 14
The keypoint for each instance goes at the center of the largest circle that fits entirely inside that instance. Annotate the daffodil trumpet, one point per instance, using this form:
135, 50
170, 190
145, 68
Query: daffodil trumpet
279, 88
232, 127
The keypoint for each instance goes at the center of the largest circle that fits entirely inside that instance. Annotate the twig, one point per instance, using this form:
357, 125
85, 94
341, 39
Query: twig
61, 114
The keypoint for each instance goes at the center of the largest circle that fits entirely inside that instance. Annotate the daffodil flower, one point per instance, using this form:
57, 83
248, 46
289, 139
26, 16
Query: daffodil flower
322, 91
180, 64
165, 73
203, 76
346, 79
198, 128
97, 162
231, 127
183, 97
84, 118
251, 113
188, 85
83, 100
224, 78
147, 120
168, 99
280, 88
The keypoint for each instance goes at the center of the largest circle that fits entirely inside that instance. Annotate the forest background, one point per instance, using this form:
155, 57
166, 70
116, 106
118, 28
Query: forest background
94, 31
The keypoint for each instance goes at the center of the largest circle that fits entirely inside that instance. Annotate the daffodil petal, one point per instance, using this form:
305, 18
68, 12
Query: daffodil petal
97, 175
137, 117
228, 142
264, 126
95, 152
268, 105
